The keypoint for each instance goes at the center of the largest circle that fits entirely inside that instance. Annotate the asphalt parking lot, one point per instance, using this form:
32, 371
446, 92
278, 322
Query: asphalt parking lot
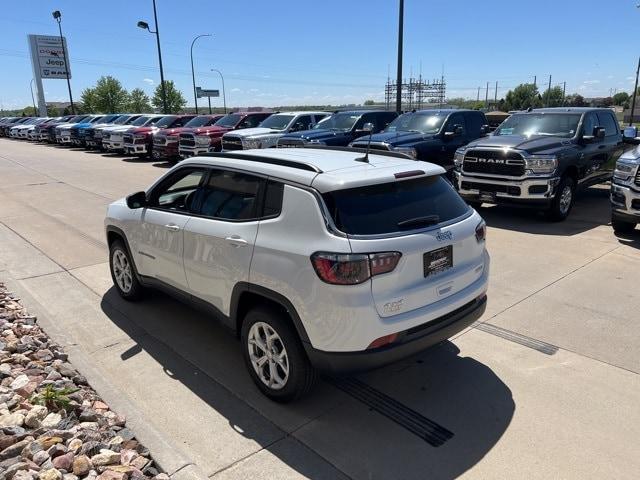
547, 386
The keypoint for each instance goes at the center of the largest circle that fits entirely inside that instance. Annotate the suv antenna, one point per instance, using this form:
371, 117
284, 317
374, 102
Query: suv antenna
365, 159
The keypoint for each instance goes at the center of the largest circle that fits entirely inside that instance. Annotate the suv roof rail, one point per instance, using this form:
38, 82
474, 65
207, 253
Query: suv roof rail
274, 161
385, 153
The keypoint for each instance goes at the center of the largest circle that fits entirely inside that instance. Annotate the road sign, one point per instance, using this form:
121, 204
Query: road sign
206, 93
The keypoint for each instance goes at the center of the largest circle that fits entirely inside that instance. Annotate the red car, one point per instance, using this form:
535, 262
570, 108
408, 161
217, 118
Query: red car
165, 142
139, 140
209, 139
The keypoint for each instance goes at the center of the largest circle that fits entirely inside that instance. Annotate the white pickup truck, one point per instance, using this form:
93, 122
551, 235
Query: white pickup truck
266, 135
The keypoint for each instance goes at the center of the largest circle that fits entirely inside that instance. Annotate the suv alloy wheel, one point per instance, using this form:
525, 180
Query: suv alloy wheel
274, 356
122, 272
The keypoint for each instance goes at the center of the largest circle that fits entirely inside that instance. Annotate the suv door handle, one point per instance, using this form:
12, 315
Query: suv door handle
237, 241
172, 227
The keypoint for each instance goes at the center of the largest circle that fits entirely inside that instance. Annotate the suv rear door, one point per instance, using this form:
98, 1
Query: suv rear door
370, 217
220, 236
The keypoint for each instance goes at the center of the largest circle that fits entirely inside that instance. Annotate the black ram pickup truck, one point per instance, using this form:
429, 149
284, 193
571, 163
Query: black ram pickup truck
429, 135
539, 158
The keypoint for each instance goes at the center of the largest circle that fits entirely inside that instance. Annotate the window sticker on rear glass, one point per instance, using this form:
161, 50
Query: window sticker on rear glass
506, 131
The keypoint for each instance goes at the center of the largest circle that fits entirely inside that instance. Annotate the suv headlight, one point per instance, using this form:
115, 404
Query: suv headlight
542, 163
250, 143
458, 157
410, 151
202, 140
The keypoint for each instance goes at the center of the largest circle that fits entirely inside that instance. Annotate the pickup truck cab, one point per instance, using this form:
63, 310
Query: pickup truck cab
209, 139
266, 134
429, 135
165, 142
539, 158
340, 129
139, 140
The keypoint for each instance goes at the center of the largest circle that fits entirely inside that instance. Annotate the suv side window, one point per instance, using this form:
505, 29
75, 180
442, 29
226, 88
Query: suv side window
176, 193
303, 122
229, 195
273, 199
250, 121
606, 121
319, 117
383, 119
474, 123
456, 119
589, 122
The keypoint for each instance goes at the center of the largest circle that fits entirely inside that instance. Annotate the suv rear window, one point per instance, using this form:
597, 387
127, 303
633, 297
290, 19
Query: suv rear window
378, 209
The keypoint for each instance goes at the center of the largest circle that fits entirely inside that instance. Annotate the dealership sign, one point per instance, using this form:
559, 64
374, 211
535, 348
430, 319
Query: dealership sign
48, 56
201, 92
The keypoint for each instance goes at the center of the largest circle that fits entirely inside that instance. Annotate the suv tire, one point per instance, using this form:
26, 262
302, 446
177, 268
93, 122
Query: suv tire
290, 375
620, 226
562, 202
123, 272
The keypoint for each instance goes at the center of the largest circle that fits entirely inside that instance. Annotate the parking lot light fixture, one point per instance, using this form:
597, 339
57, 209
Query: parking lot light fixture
145, 26
58, 18
224, 96
193, 73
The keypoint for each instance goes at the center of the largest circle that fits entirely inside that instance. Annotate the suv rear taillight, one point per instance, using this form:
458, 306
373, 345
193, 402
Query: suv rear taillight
481, 232
352, 268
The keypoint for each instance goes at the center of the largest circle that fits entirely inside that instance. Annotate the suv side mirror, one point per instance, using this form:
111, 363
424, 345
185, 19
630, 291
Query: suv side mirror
366, 128
597, 134
137, 200
297, 127
455, 131
630, 133
485, 129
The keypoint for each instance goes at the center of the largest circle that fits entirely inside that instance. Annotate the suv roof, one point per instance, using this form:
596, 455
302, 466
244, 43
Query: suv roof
324, 168
564, 110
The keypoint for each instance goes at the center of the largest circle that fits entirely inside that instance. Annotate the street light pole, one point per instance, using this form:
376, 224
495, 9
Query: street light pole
193, 73
58, 17
399, 73
145, 25
224, 96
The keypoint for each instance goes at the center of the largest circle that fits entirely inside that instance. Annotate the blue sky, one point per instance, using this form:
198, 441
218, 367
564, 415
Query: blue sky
331, 51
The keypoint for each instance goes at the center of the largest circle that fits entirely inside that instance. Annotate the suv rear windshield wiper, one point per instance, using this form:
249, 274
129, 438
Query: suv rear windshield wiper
418, 221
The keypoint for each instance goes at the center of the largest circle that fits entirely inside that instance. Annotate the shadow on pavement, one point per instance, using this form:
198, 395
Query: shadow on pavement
459, 394
591, 210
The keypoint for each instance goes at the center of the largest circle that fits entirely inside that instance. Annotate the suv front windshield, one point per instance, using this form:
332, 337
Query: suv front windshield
230, 120
141, 121
417, 122
338, 121
199, 122
553, 124
166, 121
277, 122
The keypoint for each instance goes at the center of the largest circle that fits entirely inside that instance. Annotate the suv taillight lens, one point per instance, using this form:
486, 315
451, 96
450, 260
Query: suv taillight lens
352, 268
481, 232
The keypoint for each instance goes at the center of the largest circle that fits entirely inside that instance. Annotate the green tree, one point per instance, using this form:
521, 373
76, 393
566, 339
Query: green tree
110, 96
29, 112
552, 97
522, 97
620, 98
575, 100
89, 100
138, 101
369, 102
175, 100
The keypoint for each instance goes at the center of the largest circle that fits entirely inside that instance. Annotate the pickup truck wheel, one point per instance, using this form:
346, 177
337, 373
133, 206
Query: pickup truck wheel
620, 226
274, 356
562, 203
122, 272
474, 205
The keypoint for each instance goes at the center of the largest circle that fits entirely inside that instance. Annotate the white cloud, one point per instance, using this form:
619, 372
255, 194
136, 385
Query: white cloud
236, 90
591, 82
148, 81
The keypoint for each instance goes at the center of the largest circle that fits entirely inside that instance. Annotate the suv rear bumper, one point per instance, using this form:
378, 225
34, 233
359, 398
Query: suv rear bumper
410, 342
537, 192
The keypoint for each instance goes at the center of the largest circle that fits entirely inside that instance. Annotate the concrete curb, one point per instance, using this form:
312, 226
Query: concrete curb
168, 456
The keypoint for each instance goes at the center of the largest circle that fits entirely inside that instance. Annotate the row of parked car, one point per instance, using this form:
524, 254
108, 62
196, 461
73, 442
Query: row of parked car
538, 158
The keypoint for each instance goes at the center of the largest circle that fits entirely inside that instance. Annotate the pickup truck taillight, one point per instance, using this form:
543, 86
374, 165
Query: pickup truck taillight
353, 268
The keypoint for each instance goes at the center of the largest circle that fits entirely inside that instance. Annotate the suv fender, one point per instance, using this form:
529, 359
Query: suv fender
115, 233
250, 291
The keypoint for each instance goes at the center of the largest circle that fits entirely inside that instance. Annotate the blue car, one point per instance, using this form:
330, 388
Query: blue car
78, 131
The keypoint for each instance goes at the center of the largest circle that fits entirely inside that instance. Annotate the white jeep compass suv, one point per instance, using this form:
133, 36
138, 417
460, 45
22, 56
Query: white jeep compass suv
320, 259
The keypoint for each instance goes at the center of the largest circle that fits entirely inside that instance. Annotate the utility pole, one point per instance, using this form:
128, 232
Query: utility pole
535, 80
549, 93
478, 97
635, 92
564, 89
486, 97
495, 98
399, 73
58, 17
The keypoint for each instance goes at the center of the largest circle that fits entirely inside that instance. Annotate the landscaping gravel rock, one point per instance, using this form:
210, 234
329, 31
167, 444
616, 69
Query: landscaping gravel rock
53, 425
